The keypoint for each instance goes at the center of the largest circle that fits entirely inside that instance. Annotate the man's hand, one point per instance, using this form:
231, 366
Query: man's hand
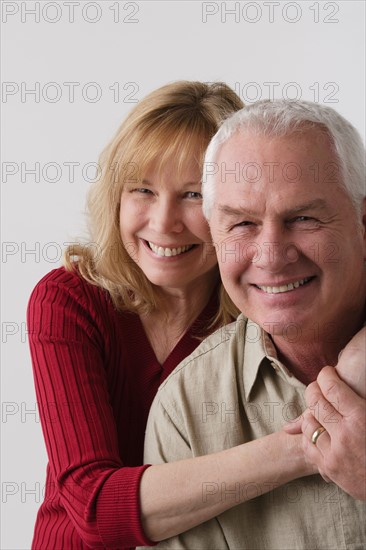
340, 451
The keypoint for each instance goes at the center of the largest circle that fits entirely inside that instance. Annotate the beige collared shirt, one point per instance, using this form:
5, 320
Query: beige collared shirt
230, 390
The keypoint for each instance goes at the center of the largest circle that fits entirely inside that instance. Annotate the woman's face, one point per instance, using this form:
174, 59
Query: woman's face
163, 228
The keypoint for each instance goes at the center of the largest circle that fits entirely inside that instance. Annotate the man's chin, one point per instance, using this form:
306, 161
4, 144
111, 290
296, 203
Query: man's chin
288, 328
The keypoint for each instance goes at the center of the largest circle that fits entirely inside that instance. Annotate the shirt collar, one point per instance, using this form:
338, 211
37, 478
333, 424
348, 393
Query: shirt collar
258, 349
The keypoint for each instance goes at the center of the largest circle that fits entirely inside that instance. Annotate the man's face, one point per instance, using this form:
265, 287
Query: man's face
290, 252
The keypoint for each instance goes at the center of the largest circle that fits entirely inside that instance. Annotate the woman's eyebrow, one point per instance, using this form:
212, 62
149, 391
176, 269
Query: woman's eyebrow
184, 185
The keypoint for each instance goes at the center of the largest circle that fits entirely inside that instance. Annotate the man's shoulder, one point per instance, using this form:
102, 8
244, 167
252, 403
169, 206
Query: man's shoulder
221, 348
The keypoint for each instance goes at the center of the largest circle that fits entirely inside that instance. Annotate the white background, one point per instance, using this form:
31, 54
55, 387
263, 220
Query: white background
313, 50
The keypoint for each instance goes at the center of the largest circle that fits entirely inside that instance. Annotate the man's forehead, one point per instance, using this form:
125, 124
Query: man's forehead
306, 159
253, 141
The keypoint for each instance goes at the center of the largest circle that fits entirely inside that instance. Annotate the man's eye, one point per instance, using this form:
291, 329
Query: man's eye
303, 219
243, 224
193, 195
304, 222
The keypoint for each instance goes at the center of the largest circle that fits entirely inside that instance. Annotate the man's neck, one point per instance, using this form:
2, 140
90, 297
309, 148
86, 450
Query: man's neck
305, 362
305, 358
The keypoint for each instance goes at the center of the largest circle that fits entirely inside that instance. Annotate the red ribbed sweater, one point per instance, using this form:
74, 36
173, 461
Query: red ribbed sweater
95, 375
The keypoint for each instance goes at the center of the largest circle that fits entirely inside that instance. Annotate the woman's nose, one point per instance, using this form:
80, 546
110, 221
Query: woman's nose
166, 217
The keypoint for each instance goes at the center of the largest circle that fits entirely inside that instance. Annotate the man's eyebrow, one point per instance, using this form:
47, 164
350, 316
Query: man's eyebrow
233, 211
318, 204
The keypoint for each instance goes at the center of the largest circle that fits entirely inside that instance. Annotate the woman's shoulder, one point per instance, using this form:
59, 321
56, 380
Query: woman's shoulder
64, 303
61, 277
62, 288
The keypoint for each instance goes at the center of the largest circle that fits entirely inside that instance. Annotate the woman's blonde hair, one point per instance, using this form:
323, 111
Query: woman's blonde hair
175, 122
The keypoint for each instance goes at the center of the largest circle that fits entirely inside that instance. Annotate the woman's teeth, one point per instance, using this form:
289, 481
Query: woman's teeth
160, 251
284, 288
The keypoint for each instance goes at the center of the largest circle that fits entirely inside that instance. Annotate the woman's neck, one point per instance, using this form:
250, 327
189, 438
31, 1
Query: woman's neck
178, 309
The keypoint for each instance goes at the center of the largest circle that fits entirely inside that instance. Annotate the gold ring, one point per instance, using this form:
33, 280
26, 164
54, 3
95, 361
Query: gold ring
317, 433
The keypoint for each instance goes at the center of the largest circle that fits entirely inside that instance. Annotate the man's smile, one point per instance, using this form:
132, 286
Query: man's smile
269, 289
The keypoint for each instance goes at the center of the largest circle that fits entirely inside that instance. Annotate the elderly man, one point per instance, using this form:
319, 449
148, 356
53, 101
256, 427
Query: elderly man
284, 196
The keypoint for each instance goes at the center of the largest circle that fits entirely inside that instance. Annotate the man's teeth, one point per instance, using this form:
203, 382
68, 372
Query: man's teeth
160, 251
283, 288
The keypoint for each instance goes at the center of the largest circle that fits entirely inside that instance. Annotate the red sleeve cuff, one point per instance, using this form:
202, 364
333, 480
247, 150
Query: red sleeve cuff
118, 509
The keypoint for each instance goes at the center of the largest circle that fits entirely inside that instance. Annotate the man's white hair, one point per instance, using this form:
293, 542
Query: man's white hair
280, 118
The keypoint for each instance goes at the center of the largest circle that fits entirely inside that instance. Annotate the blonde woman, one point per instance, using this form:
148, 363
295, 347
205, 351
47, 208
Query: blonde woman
109, 327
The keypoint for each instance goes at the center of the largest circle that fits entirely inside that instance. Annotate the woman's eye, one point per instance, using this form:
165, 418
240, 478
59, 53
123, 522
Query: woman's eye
193, 195
142, 190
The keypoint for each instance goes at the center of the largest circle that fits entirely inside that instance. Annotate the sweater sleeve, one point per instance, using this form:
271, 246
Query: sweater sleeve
68, 352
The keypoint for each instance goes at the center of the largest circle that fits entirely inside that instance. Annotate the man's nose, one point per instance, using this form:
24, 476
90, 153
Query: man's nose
275, 250
166, 217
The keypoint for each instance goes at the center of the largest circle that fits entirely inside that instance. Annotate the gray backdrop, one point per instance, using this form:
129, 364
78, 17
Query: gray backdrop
70, 72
